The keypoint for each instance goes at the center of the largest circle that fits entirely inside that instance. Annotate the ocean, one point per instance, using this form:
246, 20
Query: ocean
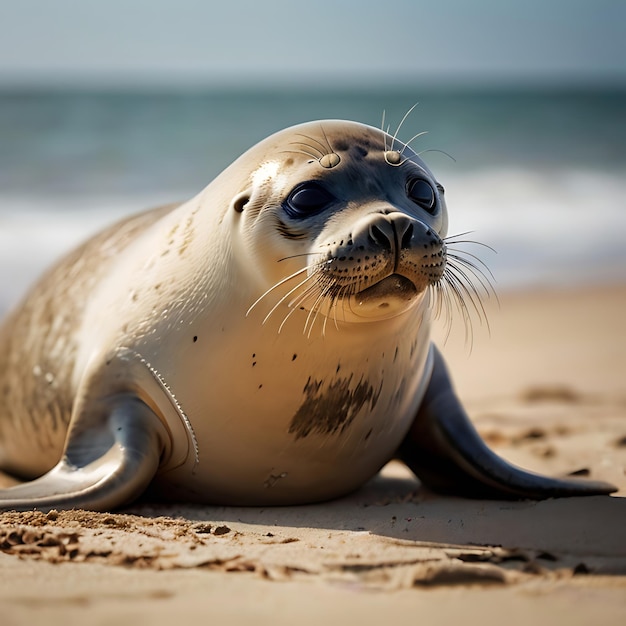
538, 175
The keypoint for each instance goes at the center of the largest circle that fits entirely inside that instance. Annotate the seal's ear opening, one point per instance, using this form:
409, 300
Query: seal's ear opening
240, 201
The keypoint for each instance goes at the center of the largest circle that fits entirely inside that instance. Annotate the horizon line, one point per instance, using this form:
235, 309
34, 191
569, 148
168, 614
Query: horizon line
314, 82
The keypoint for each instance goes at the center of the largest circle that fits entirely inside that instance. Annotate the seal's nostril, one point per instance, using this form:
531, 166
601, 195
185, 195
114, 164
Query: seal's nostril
405, 241
378, 236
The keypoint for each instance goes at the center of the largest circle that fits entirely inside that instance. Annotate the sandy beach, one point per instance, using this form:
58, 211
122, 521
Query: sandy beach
544, 386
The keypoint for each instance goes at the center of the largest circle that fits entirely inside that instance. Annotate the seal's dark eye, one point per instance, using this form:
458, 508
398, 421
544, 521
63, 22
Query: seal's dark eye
307, 199
421, 192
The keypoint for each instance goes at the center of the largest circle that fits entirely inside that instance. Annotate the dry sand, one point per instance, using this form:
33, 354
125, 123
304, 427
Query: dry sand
546, 390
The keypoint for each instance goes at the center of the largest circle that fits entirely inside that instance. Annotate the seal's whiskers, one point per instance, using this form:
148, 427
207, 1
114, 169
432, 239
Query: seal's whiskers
408, 143
297, 302
323, 149
340, 298
419, 154
301, 151
469, 288
395, 135
466, 283
278, 284
452, 239
475, 270
443, 303
382, 128
313, 311
397, 161
289, 293
328, 144
456, 290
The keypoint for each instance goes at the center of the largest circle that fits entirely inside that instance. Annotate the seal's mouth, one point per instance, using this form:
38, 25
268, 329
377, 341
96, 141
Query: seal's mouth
393, 287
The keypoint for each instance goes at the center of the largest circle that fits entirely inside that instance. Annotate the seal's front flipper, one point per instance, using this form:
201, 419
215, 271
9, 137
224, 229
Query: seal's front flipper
447, 454
108, 462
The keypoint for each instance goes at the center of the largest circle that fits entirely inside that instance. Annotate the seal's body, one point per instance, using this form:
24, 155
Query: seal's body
266, 342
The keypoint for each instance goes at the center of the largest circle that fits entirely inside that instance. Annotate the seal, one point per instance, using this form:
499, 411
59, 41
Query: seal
266, 342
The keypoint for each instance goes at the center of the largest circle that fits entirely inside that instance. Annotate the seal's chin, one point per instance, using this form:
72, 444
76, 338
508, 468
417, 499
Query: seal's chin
387, 298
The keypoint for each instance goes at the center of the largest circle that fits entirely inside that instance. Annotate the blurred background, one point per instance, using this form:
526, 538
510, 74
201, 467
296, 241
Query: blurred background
111, 107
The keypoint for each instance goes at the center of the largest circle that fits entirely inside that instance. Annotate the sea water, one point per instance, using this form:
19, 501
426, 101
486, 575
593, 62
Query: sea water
538, 175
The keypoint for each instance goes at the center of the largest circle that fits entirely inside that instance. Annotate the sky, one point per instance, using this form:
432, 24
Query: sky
246, 42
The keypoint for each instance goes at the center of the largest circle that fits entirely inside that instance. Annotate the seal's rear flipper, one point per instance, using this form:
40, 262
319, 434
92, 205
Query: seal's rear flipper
104, 465
447, 454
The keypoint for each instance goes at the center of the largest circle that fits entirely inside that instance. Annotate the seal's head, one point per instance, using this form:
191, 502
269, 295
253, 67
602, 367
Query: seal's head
350, 227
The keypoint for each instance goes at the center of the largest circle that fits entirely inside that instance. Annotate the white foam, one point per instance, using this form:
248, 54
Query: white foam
35, 231
559, 227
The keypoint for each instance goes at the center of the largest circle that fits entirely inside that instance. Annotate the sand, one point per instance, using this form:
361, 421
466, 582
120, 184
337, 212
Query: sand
545, 388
